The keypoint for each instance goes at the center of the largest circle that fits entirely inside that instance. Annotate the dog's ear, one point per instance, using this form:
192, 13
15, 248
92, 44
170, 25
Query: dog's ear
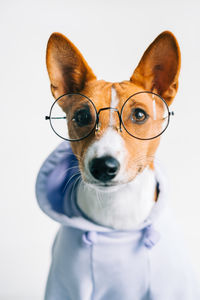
68, 71
159, 67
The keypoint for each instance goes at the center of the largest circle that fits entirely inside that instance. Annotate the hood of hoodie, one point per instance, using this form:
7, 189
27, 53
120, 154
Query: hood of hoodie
56, 189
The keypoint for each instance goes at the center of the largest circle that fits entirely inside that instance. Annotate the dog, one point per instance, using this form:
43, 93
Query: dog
117, 239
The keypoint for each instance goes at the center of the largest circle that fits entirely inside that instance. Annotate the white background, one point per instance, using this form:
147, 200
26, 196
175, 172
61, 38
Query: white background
112, 35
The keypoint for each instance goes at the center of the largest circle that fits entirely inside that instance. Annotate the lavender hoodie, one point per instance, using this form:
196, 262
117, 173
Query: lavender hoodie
92, 262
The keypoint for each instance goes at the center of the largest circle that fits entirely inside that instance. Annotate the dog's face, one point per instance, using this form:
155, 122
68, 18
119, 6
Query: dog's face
108, 157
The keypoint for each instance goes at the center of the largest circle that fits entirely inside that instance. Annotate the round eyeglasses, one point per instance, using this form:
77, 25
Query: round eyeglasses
144, 115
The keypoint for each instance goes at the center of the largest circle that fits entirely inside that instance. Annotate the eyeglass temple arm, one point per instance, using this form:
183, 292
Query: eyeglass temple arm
171, 113
48, 117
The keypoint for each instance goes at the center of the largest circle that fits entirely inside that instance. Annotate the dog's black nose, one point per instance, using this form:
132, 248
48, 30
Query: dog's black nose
104, 168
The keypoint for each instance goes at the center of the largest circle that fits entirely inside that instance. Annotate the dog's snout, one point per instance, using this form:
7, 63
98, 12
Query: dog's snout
104, 168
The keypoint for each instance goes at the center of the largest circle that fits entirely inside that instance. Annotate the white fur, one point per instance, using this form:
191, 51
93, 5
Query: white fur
123, 208
113, 104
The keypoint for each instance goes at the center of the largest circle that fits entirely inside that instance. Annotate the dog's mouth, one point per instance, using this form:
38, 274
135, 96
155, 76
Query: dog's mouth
109, 186
101, 183
104, 187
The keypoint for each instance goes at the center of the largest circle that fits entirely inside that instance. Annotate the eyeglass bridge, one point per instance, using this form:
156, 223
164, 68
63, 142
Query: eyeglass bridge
107, 108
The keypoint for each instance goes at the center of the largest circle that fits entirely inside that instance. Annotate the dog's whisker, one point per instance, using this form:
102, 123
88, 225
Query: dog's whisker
75, 182
74, 175
98, 201
65, 171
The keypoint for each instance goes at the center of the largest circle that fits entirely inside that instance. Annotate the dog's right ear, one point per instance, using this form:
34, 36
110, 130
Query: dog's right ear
68, 71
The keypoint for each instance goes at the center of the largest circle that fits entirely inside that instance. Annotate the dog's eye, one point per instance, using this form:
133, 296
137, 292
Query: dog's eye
139, 116
82, 117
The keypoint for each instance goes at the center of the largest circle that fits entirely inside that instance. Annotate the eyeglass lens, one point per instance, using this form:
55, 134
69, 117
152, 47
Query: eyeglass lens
73, 117
145, 115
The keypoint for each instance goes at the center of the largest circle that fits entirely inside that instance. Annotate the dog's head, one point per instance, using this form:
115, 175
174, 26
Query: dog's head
111, 156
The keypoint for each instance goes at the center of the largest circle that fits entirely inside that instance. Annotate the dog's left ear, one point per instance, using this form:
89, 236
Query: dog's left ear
68, 71
158, 70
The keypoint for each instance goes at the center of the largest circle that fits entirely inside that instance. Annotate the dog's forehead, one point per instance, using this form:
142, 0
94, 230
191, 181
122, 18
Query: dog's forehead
124, 90
99, 91
108, 94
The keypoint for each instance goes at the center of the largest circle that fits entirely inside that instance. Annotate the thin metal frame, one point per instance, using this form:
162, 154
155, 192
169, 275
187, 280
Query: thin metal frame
168, 112
49, 117
120, 114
